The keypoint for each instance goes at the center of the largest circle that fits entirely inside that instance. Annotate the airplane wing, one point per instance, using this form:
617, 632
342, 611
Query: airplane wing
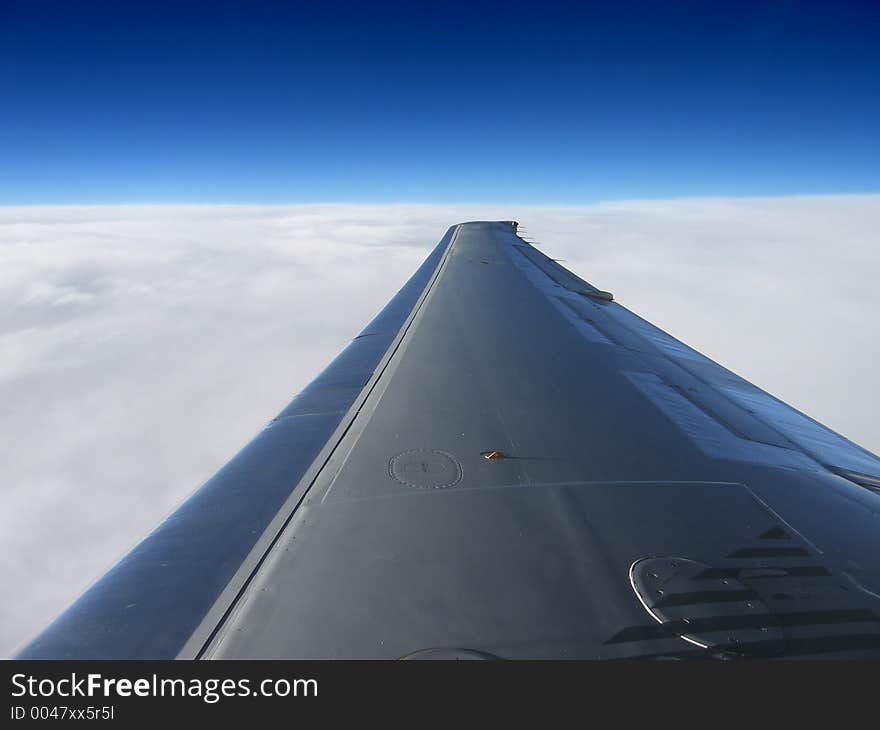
508, 463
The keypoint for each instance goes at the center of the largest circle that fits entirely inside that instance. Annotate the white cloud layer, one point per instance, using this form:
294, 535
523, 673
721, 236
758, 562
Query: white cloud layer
142, 346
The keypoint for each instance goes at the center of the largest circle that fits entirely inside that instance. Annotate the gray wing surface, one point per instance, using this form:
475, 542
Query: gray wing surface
508, 463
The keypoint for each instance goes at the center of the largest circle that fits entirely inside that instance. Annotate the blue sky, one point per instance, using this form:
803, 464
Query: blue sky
105, 102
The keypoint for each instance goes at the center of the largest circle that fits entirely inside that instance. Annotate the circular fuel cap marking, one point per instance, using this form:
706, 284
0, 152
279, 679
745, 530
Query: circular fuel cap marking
425, 469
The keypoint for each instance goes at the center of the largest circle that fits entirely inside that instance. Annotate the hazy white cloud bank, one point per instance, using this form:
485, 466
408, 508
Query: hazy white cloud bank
141, 347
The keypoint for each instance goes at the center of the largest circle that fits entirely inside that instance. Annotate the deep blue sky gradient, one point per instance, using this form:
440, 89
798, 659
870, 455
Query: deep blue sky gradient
550, 102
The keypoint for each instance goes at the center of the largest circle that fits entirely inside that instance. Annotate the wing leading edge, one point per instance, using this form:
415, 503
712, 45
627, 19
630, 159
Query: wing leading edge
509, 463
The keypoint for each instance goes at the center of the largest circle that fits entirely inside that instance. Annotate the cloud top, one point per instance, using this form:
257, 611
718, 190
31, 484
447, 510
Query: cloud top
142, 346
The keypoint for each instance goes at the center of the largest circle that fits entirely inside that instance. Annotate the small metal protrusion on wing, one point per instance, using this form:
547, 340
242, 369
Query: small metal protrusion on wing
605, 296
